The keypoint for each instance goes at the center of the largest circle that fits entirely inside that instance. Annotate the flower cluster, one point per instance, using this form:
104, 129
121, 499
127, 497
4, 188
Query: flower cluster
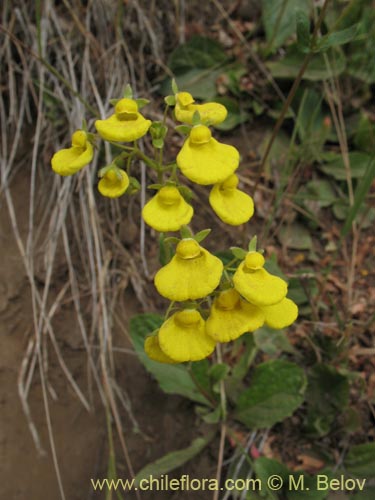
210, 304
243, 303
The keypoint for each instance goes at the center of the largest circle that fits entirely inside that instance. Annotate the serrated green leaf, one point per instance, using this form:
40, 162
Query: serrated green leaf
327, 395
175, 459
360, 460
173, 379
276, 391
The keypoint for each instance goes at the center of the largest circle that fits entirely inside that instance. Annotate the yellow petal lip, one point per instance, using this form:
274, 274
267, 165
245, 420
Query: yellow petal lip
208, 163
184, 98
188, 248
154, 352
167, 210
193, 273
127, 127
231, 316
69, 161
183, 337
200, 134
231, 205
254, 261
259, 287
211, 113
114, 183
280, 315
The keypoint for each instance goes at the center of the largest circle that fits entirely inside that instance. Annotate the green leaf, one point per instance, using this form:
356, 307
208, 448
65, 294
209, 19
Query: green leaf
301, 288
236, 115
202, 235
295, 236
337, 38
327, 395
361, 191
358, 165
217, 373
265, 468
175, 459
198, 52
276, 391
316, 194
272, 341
173, 379
303, 31
278, 18
360, 460
289, 66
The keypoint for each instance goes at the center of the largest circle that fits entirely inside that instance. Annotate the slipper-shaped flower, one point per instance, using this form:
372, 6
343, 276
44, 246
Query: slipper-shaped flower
280, 315
256, 284
193, 273
114, 183
229, 203
167, 210
70, 161
231, 316
204, 160
125, 125
211, 113
154, 352
183, 337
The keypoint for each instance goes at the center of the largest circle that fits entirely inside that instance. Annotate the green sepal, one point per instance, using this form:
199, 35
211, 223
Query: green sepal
186, 193
185, 232
202, 235
142, 102
128, 92
134, 186
170, 100
253, 244
183, 129
155, 186
238, 252
174, 86
196, 120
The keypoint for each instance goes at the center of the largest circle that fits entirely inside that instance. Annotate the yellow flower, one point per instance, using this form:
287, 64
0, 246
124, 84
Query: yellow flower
280, 315
193, 273
114, 183
167, 210
204, 160
183, 338
125, 125
231, 316
257, 285
229, 203
70, 161
153, 351
211, 113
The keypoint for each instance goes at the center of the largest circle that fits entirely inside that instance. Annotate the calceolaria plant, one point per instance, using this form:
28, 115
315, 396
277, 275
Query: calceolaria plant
210, 302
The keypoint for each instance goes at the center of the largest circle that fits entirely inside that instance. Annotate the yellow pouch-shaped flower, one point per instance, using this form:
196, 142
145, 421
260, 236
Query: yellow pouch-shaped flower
230, 204
256, 284
153, 351
211, 113
70, 161
231, 316
280, 315
125, 125
167, 210
193, 273
114, 183
183, 338
204, 160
